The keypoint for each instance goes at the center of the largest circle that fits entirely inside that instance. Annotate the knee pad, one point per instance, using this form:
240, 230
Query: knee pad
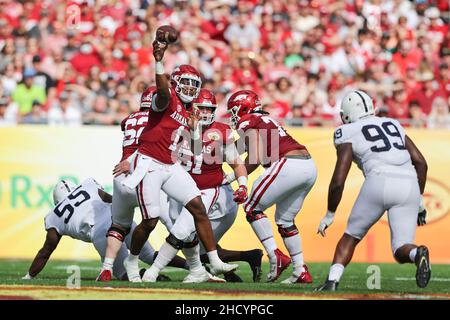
174, 242
287, 232
255, 215
191, 244
117, 232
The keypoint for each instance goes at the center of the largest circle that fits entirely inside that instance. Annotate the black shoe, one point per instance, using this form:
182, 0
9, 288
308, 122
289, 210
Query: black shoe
423, 273
329, 285
162, 277
254, 261
232, 277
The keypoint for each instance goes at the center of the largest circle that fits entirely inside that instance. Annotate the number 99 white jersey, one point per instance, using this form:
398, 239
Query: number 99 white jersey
378, 145
76, 215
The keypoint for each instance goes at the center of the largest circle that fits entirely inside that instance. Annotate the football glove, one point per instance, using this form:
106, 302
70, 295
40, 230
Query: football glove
421, 217
325, 223
240, 195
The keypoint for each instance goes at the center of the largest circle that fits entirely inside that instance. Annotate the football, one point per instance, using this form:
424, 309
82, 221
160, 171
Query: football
166, 34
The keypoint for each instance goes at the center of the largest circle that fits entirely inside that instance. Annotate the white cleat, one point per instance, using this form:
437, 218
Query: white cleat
201, 277
149, 276
132, 269
223, 268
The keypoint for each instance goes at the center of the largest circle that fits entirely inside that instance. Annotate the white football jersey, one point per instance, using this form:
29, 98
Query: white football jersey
78, 212
378, 145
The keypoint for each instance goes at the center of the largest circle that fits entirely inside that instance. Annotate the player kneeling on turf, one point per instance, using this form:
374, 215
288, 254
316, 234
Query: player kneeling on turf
395, 174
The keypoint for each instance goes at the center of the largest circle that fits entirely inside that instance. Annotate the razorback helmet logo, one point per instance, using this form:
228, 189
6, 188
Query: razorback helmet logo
241, 103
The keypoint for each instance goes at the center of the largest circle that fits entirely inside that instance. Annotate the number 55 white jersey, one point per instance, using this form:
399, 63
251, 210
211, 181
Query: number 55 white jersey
378, 145
76, 215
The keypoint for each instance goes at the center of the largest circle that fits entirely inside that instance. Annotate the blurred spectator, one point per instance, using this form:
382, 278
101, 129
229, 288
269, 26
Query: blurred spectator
418, 118
7, 117
36, 116
439, 117
64, 112
244, 32
26, 92
300, 56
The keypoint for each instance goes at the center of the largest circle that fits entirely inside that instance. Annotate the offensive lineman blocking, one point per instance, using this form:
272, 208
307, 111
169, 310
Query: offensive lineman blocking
289, 176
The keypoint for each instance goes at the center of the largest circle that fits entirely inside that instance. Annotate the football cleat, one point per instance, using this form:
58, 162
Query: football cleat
104, 276
304, 277
328, 285
202, 276
277, 267
149, 277
423, 273
255, 264
132, 269
162, 278
223, 268
232, 277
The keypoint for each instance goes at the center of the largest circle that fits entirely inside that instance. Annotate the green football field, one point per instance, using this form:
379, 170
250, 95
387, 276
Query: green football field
397, 282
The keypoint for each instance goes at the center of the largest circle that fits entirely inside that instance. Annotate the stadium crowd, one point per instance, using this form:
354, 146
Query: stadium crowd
87, 62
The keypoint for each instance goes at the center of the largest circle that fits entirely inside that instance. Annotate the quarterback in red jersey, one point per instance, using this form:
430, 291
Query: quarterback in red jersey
205, 167
124, 200
156, 168
289, 176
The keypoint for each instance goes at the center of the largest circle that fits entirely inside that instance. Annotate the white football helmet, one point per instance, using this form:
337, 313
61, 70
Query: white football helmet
356, 105
62, 190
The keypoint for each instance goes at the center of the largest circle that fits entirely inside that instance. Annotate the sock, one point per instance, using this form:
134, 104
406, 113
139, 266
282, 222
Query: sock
336, 272
165, 255
263, 230
214, 258
193, 258
108, 264
294, 246
133, 258
147, 254
412, 255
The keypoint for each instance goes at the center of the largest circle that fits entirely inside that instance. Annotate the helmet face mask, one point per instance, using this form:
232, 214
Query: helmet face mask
204, 107
234, 119
62, 189
187, 83
206, 113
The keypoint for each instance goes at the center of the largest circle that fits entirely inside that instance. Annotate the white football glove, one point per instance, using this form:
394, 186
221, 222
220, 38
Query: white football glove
325, 222
27, 277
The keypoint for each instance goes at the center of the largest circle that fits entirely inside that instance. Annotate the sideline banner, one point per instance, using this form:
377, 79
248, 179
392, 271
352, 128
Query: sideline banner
33, 158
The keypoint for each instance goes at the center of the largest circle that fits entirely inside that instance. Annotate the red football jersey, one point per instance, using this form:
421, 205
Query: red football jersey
132, 127
206, 167
263, 122
163, 134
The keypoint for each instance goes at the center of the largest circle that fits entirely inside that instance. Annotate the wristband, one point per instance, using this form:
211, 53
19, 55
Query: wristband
242, 181
330, 213
159, 68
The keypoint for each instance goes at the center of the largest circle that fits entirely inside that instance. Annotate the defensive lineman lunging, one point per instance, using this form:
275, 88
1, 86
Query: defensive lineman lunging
395, 174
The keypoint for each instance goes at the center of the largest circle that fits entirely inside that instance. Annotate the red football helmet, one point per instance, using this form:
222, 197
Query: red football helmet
147, 97
187, 82
241, 103
205, 99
